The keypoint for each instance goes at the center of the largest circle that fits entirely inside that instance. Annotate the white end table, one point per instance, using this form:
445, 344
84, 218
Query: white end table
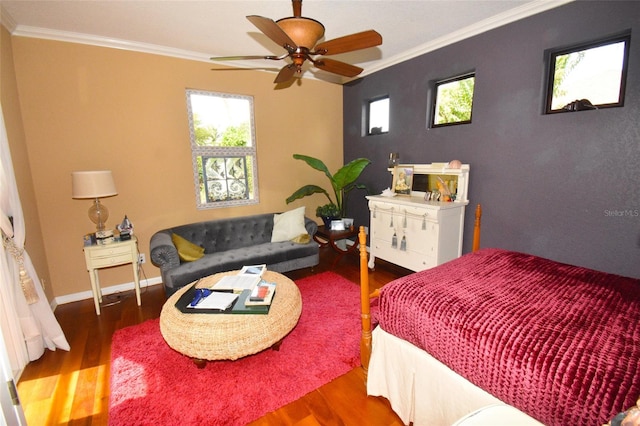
113, 254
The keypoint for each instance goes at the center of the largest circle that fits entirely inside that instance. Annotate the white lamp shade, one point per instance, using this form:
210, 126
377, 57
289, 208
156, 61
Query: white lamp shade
92, 184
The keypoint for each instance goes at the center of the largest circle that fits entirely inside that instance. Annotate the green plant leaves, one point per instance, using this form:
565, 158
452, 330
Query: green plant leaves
308, 190
343, 181
349, 173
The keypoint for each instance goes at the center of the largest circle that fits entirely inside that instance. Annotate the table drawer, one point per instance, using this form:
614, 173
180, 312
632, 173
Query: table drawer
101, 262
109, 251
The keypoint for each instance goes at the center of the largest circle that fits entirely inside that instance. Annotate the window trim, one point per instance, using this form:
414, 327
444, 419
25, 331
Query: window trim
368, 116
436, 84
551, 55
218, 151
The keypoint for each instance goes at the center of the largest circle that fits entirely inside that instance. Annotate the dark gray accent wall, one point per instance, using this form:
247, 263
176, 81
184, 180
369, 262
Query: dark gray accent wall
563, 186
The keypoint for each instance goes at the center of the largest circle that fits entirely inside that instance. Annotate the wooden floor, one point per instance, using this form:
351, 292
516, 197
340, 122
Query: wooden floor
73, 387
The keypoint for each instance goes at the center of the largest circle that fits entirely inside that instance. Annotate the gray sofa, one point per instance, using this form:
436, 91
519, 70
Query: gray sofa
229, 244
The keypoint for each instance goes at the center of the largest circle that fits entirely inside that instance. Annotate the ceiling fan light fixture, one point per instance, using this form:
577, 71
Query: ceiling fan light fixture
305, 32
299, 37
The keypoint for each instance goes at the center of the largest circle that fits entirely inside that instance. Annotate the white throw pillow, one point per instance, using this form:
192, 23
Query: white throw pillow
288, 225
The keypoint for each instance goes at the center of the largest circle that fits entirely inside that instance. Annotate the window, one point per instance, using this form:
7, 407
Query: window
453, 101
378, 116
223, 149
588, 76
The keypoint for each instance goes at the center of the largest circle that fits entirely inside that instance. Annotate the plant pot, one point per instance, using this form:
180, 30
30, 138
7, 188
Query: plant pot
327, 221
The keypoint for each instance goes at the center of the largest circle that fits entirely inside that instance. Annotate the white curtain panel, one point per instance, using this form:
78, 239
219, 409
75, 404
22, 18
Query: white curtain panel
28, 323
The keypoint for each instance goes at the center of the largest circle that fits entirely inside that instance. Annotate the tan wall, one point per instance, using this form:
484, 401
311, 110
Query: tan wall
91, 108
34, 242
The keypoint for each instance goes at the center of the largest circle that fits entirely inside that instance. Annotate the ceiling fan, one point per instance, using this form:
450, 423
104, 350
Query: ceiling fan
298, 36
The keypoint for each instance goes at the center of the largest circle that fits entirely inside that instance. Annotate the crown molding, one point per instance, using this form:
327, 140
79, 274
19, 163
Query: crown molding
114, 43
524, 11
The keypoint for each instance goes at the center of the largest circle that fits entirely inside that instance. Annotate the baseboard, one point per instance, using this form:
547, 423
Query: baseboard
83, 295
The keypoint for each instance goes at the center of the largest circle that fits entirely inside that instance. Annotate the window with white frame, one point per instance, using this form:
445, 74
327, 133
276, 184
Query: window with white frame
223, 149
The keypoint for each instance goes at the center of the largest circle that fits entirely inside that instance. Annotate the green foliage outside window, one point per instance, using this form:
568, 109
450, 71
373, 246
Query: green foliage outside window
588, 76
209, 135
454, 101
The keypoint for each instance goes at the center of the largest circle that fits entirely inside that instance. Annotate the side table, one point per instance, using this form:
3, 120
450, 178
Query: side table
329, 237
112, 254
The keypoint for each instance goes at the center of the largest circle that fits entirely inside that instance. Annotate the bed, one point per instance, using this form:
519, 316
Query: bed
559, 343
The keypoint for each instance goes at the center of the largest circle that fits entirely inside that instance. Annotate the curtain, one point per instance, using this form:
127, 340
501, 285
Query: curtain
28, 322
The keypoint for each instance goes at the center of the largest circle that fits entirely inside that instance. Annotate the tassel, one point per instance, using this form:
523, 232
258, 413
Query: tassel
403, 243
394, 241
26, 283
28, 288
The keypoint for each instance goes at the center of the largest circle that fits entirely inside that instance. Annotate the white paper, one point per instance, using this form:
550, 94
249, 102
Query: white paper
216, 300
237, 283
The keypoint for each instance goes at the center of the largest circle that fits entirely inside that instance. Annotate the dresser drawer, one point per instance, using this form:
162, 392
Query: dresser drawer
432, 231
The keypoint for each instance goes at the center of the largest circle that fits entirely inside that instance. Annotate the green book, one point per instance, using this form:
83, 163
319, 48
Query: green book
239, 306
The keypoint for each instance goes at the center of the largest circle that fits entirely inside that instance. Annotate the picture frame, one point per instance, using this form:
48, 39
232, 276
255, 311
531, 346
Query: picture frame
337, 225
402, 179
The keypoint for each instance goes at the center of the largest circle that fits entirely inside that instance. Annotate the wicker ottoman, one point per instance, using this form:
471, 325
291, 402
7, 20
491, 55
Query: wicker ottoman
231, 336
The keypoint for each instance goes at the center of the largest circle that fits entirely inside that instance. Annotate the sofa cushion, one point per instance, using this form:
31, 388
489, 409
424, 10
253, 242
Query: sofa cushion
288, 225
187, 251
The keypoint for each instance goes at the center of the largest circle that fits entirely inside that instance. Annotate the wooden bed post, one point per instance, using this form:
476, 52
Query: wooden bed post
365, 341
476, 229
365, 296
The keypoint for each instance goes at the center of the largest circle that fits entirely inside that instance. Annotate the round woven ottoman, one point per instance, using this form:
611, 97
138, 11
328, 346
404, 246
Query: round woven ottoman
231, 336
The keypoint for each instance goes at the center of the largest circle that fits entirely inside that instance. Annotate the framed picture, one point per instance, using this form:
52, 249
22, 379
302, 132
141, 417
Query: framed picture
402, 179
337, 225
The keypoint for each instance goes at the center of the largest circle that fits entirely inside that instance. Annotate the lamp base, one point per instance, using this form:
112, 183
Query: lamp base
98, 213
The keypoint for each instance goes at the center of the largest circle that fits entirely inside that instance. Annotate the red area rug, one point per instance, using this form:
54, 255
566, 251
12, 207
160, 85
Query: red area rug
151, 384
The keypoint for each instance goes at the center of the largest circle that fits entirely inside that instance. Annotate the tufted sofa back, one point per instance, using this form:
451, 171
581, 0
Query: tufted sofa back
232, 233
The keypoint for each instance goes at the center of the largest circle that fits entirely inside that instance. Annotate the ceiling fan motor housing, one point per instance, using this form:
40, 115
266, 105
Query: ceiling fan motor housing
305, 32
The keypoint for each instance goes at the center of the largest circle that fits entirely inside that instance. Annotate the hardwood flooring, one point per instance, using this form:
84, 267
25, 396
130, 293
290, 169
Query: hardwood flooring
73, 387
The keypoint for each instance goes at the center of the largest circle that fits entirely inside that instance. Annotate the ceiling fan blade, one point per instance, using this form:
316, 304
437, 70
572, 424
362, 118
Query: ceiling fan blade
239, 58
349, 43
337, 67
286, 73
273, 31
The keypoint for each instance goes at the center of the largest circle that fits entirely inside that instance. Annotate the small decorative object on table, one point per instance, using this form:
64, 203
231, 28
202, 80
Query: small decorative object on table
104, 237
125, 228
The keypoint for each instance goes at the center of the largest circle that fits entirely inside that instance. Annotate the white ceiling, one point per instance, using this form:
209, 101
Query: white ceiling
201, 29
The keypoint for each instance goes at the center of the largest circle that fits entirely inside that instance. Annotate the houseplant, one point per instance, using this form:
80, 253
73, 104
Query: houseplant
343, 181
328, 212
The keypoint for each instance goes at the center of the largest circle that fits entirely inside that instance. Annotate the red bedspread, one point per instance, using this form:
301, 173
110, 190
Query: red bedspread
559, 342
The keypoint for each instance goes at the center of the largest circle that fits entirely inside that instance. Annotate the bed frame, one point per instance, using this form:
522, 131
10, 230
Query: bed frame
366, 295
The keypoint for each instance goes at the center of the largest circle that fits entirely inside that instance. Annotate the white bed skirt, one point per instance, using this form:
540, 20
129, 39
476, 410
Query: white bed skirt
420, 388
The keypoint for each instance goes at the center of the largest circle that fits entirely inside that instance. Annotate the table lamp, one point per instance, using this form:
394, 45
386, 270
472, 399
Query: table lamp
94, 184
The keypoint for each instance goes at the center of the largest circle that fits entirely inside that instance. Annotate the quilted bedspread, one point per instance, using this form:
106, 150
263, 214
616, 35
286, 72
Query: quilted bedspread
559, 342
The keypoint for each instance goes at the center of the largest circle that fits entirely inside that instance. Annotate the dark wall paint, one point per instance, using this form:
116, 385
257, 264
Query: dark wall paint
563, 186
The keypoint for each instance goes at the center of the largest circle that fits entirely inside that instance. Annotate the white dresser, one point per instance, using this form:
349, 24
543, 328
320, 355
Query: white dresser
418, 234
